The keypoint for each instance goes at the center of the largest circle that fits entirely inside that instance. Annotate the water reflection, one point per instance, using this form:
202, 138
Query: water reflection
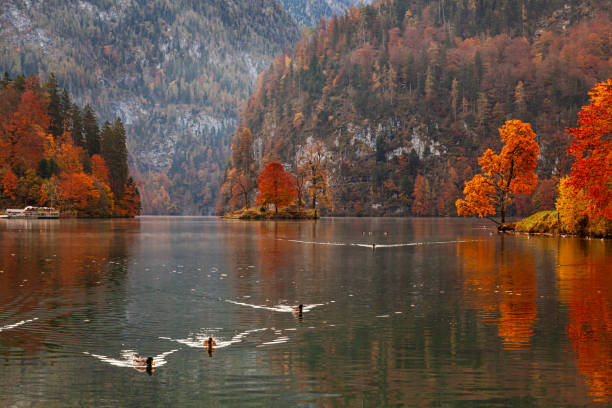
501, 284
459, 317
50, 272
585, 285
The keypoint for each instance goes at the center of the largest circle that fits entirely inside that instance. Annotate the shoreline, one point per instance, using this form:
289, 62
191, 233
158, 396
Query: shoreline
548, 223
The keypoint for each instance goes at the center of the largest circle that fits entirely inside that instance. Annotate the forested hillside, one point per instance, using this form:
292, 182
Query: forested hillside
405, 95
53, 153
176, 72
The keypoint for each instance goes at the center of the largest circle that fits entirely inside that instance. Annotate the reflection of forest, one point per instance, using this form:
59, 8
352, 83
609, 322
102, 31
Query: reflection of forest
501, 285
263, 251
50, 266
585, 285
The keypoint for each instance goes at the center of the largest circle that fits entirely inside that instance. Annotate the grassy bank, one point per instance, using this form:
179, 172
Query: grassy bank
547, 222
286, 213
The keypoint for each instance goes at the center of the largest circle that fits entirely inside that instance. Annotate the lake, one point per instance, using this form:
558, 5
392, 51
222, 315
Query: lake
444, 312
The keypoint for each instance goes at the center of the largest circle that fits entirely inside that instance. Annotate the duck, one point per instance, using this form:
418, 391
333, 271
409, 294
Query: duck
209, 343
373, 247
143, 361
299, 308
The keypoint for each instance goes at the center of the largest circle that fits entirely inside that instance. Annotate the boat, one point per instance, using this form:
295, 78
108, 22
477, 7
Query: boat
31, 212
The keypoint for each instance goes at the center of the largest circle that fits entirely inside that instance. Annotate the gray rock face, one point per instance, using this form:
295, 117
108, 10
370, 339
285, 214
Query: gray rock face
309, 12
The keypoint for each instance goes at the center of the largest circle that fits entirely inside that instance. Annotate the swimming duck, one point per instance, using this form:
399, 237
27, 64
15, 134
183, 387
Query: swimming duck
143, 361
209, 343
298, 308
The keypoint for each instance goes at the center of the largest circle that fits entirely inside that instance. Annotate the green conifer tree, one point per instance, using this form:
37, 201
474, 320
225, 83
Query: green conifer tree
75, 125
91, 131
56, 126
114, 152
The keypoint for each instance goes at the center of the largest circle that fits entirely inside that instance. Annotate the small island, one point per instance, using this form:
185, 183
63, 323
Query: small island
262, 213
281, 195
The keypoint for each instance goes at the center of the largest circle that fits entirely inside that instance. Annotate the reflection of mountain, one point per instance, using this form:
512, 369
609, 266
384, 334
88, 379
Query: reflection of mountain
502, 286
585, 283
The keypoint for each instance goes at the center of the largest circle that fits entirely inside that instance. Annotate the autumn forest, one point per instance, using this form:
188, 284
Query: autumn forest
53, 153
396, 108
402, 98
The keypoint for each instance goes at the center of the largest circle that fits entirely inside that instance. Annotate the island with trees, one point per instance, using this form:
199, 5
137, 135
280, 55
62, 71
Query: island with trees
54, 154
282, 191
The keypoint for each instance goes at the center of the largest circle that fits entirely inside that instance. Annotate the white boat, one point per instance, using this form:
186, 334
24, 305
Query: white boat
32, 213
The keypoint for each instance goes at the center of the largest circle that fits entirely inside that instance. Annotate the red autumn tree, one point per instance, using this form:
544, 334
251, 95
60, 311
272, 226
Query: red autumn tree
276, 186
503, 175
27, 128
592, 147
8, 182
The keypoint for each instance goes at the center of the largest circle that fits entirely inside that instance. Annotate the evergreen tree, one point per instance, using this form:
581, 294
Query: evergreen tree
65, 105
55, 106
75, 126
114, 152
91, 131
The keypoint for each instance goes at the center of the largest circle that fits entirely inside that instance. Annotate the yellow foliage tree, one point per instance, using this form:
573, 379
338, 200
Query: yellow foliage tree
571, 206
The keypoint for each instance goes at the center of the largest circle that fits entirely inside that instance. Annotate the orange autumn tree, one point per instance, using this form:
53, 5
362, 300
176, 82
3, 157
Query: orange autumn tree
591, 173
503, 175
276, 186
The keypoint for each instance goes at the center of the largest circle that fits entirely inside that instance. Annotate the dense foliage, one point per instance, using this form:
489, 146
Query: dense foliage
406, 95
592, 148
176, 72
53, 154
585, 196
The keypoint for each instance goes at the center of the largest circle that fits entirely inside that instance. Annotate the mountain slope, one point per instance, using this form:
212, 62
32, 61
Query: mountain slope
405, 95
176, 72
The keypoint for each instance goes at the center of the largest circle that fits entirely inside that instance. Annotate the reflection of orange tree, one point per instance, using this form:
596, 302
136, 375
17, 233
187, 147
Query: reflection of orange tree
586, 287
259, 251
502, 286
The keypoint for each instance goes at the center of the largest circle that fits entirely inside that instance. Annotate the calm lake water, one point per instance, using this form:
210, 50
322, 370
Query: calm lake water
443, 313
